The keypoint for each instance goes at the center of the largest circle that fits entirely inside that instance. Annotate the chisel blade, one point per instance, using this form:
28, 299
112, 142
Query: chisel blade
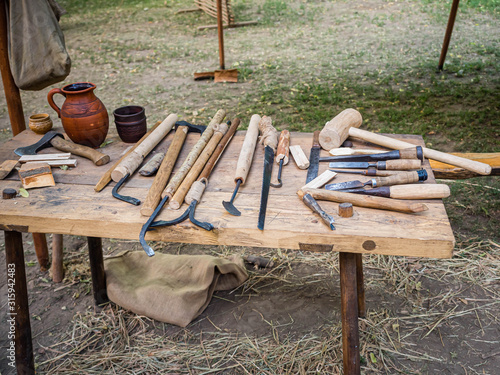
345, 185
312, 171
353, 165
266, 182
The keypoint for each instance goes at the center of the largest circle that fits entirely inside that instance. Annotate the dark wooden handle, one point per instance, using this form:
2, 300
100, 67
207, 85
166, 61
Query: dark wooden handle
283, 147
97, 157
316, 139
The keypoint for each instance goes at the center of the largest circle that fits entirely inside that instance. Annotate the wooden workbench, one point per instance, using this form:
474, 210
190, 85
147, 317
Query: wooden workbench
73, 207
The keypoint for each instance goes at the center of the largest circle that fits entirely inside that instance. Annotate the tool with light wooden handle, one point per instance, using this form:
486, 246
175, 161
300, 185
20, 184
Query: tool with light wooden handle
335, 131
164, 171
244, 162
299, 157
470, 165
176, 180
344, 151
176, 201
365, 201
399, 179
98, 158
413, 191
136, 157
106, 177
319, 181
282, 155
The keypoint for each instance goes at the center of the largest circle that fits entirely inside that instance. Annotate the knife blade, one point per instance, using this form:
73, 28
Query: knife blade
408, 153
312, 172
269, 138
400, 164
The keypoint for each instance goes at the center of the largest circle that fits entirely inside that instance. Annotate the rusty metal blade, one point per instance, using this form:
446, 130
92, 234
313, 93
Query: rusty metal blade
345, 185
266, 182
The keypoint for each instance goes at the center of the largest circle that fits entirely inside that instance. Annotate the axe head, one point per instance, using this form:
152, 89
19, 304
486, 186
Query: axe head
191, 127
40, 145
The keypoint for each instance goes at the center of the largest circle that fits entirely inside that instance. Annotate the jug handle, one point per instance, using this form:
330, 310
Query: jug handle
50, 99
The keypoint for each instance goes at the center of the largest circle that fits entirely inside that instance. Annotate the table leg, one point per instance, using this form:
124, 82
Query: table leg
18, 316
41, 250
97, 270
360, 286
349, 312
57, 258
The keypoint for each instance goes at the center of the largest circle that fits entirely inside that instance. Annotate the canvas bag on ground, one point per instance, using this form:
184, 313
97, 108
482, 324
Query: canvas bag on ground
170, 288
37, 53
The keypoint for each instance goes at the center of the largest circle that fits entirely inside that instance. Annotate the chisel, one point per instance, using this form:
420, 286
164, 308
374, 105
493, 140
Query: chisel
312, 171
413, 191
398, 179
407, 153
368, 172
402, 164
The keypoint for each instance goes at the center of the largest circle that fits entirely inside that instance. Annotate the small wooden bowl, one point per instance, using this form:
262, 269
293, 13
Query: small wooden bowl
40, 123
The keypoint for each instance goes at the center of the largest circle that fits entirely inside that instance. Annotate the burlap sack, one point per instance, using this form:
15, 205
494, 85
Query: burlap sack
170, 288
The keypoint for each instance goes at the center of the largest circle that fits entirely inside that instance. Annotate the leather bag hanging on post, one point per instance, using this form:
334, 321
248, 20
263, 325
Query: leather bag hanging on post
37, 53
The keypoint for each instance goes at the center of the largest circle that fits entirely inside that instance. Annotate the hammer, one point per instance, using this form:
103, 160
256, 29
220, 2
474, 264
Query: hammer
344, 129
53, 139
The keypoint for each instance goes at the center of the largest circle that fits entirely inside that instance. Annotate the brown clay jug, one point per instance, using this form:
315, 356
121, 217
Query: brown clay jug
84, 117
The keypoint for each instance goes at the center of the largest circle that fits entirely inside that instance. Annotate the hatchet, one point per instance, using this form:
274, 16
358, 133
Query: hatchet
53, 139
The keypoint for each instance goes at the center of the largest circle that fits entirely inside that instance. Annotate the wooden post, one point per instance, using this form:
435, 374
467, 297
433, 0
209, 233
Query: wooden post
447, 35
18, 316
12, 94
41, 250
220, 30
57, 258
97, 270
360, 286
349, 312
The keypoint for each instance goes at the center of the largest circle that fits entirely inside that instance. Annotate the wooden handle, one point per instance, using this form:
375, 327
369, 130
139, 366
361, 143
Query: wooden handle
283, 147
98, 158
196, 191
205, 173
132, 161
470, 165
408, 153
151, 167
299, 157
316, 139
400, 164
106, 177
177, 199
376, 172
319, 181
193, 154
269, 135
420, 191
365, 200
396, 179
336, 130
164, 171
343, 151
247, 150
6, 167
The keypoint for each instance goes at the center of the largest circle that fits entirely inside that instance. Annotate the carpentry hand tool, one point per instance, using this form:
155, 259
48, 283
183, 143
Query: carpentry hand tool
407, 153
310, 202
401, 164
471, 165
129, 164
269, 138
175, 182
398, 179
420, 191
341, 151
312, 171
151, 167
56, 140
194, 194
182, 128
282, 155
244, 162
106, 177
335, 131
364, 200
368, 172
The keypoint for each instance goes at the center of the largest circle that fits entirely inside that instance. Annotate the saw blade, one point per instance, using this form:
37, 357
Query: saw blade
266, 182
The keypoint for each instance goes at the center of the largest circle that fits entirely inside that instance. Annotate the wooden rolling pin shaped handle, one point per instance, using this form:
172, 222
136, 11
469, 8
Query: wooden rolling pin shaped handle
247, 150
98, 158
420, 191
470, 165
164, 171
283, 147
365, 200
196, 191
269, 135
400, 178
400, 164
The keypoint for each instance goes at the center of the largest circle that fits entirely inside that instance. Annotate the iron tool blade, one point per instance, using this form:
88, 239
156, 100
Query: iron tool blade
350, 165
345, 185
266, 182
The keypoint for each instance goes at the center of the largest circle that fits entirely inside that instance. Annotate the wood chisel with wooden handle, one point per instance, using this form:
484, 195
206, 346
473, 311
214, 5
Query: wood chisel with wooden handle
397, 179
413, 191
244, 162
407, 153
269, 138
401, 164
282, 155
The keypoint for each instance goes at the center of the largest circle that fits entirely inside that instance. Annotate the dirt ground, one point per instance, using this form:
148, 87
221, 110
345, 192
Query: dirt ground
423, 316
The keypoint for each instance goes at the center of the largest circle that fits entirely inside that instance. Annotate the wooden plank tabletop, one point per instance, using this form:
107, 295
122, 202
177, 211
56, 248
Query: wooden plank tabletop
73, 207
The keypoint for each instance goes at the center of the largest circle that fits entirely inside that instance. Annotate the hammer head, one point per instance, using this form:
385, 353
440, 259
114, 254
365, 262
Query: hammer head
191, 128
40, 145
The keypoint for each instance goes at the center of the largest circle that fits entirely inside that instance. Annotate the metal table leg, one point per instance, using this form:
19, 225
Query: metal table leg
97, 270
18, 316
349, 311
